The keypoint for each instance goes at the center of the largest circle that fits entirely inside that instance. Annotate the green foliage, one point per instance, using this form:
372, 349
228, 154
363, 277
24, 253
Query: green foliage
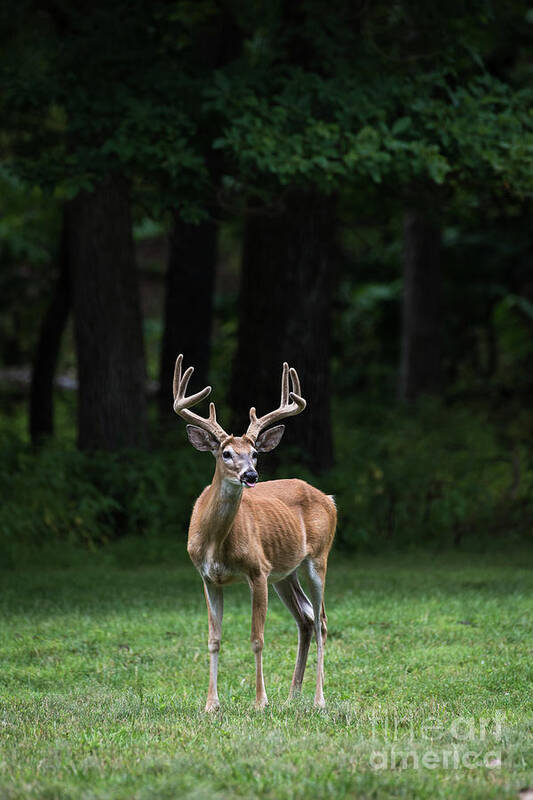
110, 90
150, 89
439, 476
29, 223
375, 103
487, 327
29, 233
378, 94
63, 495
105, 668
338, 130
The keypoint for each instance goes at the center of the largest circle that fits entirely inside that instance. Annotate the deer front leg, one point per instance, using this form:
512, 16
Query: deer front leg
215, 608
259, 589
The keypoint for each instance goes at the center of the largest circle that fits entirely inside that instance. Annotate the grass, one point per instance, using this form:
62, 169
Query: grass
428, 684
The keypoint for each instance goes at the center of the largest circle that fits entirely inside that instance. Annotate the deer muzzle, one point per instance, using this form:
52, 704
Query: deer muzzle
249, 478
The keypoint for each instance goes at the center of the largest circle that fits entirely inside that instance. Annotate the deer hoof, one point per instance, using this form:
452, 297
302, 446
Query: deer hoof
261, 703
212, 705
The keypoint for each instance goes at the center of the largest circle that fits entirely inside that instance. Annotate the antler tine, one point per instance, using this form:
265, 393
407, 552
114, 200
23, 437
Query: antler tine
284, 384
296, 393
183, 404
286, 409
177, 375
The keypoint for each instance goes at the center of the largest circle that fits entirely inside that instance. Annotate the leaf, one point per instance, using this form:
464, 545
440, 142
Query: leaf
522, 303
401, 125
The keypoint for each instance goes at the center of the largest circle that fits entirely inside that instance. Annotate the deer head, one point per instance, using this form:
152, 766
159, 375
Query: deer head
236, 456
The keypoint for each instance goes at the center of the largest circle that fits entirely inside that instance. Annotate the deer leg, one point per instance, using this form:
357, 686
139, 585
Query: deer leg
259, 589
215, 608
293, 596
316, 570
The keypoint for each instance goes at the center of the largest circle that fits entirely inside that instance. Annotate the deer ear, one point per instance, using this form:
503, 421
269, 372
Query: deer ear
270, 439
202, 440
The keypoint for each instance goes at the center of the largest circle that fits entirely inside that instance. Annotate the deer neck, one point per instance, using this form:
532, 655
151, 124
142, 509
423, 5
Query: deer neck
224, 499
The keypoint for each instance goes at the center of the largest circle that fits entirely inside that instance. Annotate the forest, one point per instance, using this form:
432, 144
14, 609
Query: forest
344, 186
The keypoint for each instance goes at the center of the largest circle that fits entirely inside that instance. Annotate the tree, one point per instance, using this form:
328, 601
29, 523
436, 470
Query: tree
190, 275
315, 101
48, 345
95, 104
420, 371
284, 315
349, 109
107, 320
189, 287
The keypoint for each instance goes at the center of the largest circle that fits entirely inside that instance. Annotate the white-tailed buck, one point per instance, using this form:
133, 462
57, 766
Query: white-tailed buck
257, 536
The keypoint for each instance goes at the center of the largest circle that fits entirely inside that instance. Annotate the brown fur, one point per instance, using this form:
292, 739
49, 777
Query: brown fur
258, 534
275, 526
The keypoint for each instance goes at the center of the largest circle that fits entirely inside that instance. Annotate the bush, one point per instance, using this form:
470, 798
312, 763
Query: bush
439, 476
63, 495
436, 477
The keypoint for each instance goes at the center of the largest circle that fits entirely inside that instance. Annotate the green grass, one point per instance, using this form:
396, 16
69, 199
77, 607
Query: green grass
104, 674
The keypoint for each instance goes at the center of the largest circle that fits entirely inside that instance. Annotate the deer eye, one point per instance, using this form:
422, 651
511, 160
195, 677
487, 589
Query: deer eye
254, 455
226, 454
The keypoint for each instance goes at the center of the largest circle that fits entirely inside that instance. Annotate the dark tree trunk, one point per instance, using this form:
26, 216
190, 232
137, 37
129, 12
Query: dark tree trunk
189, 287
285, 316
420, 370
190, 277
107, 320
48, 345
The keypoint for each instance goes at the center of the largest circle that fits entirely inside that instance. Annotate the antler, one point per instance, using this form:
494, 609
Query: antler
182, 404
285, 409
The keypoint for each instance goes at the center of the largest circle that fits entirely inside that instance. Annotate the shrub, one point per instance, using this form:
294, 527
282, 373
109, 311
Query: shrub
436, 477
440, 476
64, 495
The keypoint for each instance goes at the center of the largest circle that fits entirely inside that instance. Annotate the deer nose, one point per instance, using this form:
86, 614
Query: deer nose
249, 478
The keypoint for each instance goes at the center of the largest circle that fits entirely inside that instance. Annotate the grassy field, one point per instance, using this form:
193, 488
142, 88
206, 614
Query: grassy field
428, 683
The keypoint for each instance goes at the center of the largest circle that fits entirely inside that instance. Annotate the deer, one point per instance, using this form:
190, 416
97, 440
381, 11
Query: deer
257, 532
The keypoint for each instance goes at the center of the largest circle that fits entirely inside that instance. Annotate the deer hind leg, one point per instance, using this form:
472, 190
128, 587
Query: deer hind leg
316, 570
215, 608
293, 596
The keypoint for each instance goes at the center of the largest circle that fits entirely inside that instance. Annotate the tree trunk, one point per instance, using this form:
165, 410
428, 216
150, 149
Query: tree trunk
285, 316
420, 370
48, 345
189, 287
107, 320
